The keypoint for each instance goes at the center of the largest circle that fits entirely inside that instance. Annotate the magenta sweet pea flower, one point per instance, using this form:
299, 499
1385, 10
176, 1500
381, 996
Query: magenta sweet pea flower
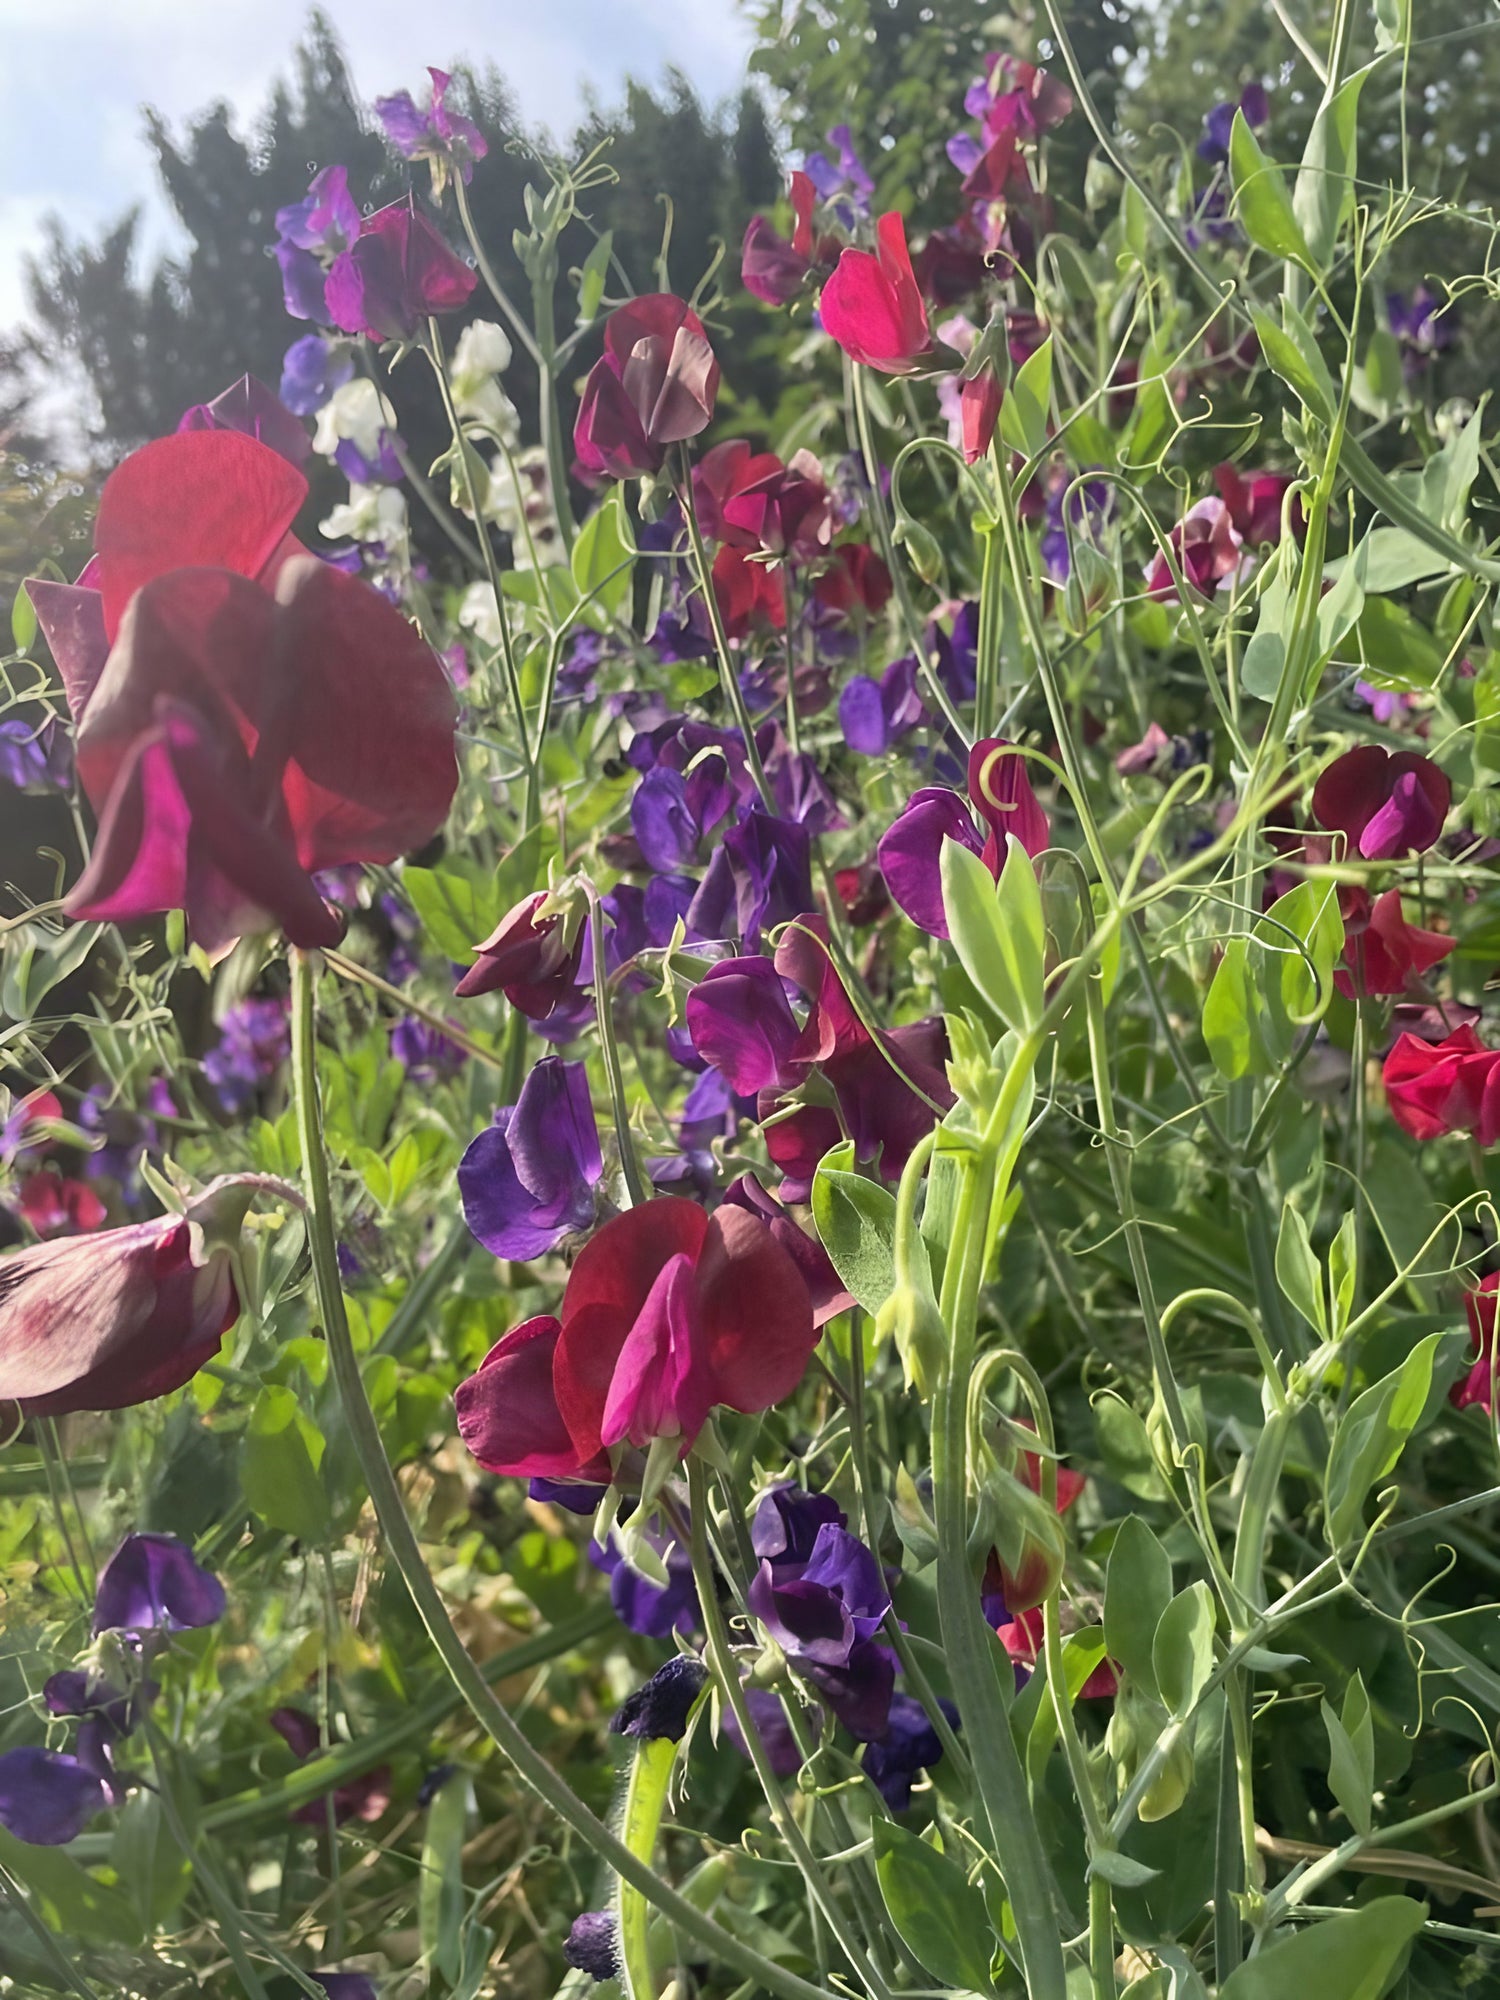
872, 305
434, 134
398, 272
528, 1181
654, 385
741, 1022
249, 407
1447, 1086
910, 850
1477, 1387
152, 1584
1386, 806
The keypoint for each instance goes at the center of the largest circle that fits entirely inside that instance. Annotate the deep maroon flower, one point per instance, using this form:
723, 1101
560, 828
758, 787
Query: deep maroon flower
1255, 504
1386, 806
751, 594
1022, 1638
660, 1708
528, 1180
363, 1798
653, 386
152, 1584
1208, 549
395, 275
825, 1288
667, 1313
754, 502
874, 715
249, 407
856, 580
592, 1944
774, 269
741, 1022
909, 1746
1448, 1086
106, 1321
1383, 953
532, 959
979, 399
434, 134
910, 850
46, 1798
1477, 1387
872, 305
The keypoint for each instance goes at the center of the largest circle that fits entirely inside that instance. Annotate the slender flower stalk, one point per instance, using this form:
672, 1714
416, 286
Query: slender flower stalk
728, 677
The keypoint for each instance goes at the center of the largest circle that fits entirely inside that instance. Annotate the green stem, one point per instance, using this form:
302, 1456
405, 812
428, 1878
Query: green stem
401, 1545
486, 271
729, 680
635, 1187
47, 1944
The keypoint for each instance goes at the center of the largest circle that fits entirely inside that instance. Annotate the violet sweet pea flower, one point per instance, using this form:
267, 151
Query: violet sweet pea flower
653, 1610
528, 1180
872, 305
152, 1584
910, 849
434, 134
106, 1321
398, 272
1219, 122
311, 369
909, 1746
1385, 806
874, 715
654, 386
759, 875
592, 1944
740, 1021
46, 1798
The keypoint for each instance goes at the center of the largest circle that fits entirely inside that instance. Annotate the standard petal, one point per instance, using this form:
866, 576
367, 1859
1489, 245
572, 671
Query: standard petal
757, 1321
507, 1413
740, 1022
66, 1306
72, 618
47, 1799
910, 854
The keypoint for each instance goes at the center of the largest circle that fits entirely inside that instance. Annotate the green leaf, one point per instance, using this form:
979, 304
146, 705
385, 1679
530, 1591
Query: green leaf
67, 1898
1270, 986
279, 1466
1393, 559
457, 908
1292, 351
591, 278
1121, 1869
1378, 380
1298, 1272
1323, 199
1351, 1755
938, 1915
1026, 411
1348, 1957
602, 561
1343, 1257
1372, 1435
1397, 651
998, 933
440, 1889
150, 1864
22, 620
1265, 207
1265, 653
1137, 1591
1392, 24
1182, 1652
1082, 1653
856, 1224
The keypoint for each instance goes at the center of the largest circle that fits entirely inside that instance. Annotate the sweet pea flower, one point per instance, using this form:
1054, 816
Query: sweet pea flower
46, 1797
740, 1021
872, 305
436, 134
1478, 1386
528, 1180
56, 1205
667, 1312
1386, 806
1448, 1086
1383, 953
653, 386
592, 1944
531, 958
856, 580
1422, 324
152, 1584
327, 219
249, 407
875, 715
362, 1798
105, 1321
1219, 122
910, 849
397, 273
979, 399
751, 501
654, 1610
311, 370
909, 1746
751, 595
825, 1287
1023, 1639
1208, 548
200, 628
760, 875
34, 758
1255, 504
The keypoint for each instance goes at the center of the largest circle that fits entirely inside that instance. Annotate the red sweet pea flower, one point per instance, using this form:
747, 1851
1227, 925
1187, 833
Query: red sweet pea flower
979, 400
1255, 504
1385, 806
532, 959
1478, 1385
653, 386
1022, 1639
872, 305
668, 1312
55, 1206
246, 715
856, 576
750, 593
1448, 1086
1383, 952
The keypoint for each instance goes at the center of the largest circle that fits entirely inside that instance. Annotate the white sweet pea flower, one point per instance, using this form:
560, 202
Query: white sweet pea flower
357, 412
483, 352
370, 514
480, 614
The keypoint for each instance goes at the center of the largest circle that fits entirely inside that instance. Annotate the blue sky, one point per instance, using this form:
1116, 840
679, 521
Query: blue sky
76, 73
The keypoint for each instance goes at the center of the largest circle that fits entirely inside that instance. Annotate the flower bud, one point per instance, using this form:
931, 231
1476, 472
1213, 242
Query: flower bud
1030, 1544
1134, 1727
910, 1317
921, 546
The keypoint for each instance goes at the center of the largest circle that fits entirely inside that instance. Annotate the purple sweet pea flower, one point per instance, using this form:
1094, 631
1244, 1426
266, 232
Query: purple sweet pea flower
529, 1180
326, 220
303, 283
654, 1610
788, 1522
875, 714
311, 369
772, 1727
152, 1584
1422, 326
910, 1745
345, 1985
661, 1706
249, 407
760, 875
683, 630
384, 469
75, 1692
801, 791
842, 183
254, 1041
819, 1608
1219, 122
47, 1799
742, 1023
910, 849
425, 1051
434, 134
592, 1944
662, 819
34, 759
1081, 508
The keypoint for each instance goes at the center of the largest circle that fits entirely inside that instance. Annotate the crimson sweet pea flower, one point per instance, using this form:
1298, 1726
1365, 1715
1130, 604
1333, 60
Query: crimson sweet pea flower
771, 267
1383, 953
1255, 504
1448, 1086
749, 593
857, 576
1207, 546
979, 399
246, 715
58, 1206
910, 849
532, 959
103, 1322
397, 272
1478, 1385
667, 1313
872, 305
750, 500
653, 386
1385, 806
